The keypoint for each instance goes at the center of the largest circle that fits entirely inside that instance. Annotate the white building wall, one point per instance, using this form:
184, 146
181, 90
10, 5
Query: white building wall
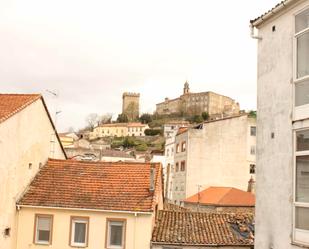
217, 155
274, 189
24, 139
169, 161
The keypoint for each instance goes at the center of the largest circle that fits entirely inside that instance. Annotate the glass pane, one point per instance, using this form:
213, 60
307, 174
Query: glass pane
302, 218
80, 232
302, 179
43, 223
302, 93
303, 55
43, 235
302, 21
116, 234
302, 142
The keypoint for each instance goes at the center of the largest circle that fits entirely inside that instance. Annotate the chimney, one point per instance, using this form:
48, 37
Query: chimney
251, 186
152, 178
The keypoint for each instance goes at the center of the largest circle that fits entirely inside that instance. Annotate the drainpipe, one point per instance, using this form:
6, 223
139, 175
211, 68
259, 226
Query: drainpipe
252, 33
135, 215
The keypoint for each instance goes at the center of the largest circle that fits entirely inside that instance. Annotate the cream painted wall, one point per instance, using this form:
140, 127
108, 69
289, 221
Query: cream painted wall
24, 139
138, 228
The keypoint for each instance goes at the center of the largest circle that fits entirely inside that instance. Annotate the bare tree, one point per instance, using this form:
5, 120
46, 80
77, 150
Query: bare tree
106, 118
132, 111
92, 120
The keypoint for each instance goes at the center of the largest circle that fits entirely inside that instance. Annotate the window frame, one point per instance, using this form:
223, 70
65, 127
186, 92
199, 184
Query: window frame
299, 112
72, 231
36, 217
183, 166
300, 236
183, 146
107, 233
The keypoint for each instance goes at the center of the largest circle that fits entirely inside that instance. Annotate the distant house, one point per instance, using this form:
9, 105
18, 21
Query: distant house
171, 128
119, 130
27, 139
188, 230
116, 156
221, 199
94, 205
67, 139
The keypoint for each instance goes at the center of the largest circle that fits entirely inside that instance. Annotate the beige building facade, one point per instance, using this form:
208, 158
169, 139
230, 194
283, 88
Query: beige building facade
130, 105
216, 153
196, 103
27, 140
119, 130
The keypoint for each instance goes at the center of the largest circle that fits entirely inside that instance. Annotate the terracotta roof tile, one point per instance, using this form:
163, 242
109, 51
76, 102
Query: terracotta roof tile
223, 196
13, 103
94, 185
203, 229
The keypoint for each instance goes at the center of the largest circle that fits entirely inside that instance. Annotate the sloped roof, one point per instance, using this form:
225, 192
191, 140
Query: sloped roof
223, 196
11, 104
273, 11
203, 229
94, 185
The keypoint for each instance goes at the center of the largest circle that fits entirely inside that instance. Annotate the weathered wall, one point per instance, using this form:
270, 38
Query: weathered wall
24, 139
215, 209
274, 188
138, 228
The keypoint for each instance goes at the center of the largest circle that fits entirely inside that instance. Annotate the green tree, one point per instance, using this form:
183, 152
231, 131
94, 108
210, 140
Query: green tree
122, 118
146, 118
205, 115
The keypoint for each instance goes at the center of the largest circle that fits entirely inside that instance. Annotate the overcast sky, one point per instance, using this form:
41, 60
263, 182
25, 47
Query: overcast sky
92, 51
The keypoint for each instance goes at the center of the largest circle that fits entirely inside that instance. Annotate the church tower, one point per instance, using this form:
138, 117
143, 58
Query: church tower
186, 88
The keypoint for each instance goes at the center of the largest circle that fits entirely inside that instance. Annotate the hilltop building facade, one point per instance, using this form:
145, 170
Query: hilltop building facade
130, 105
196, 103
282, 204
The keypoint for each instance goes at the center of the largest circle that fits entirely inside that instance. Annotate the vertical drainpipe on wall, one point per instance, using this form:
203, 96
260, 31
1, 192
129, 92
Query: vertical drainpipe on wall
134, 245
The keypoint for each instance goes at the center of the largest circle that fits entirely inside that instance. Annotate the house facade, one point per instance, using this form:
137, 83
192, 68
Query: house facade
216, 153
119, 130
282, 204
27, 139
91, 205
196, 103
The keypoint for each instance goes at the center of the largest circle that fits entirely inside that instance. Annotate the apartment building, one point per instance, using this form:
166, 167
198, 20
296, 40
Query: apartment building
215, 153
282, 204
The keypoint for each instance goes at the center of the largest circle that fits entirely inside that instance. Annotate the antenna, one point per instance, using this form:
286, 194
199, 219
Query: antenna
55, 94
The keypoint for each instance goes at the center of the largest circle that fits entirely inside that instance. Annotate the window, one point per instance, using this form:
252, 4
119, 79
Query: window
79, 231
183, 146
252, 131
183, 166
115, 233
177, 148
177, 167
302, 65
252, 168
252, 150
301, 198
43, 229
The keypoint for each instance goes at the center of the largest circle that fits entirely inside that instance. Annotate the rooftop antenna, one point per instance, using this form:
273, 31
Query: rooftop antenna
54, 94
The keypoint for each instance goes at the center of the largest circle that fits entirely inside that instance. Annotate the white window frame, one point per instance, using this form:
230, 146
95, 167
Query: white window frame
108, 222
74, 220
299, 112
36, 238
299, 236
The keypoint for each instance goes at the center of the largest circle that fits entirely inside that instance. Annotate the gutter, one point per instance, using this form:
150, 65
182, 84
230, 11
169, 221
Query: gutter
181, 245
85, 209
271, 13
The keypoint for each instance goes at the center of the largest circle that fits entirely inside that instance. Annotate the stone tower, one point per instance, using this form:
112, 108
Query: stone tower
130, 105
186, 88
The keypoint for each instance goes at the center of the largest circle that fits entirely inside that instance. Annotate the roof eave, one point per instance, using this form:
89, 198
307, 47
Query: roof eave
199, 245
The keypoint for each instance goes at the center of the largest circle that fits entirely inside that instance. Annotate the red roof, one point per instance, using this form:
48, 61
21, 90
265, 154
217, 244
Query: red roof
203, 229
13, 103
94, 185
223, 196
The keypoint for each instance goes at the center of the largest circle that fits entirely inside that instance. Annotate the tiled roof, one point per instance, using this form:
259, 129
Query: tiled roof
94, 185
271, 12
223, 196
203, 229
13, 103
182, 130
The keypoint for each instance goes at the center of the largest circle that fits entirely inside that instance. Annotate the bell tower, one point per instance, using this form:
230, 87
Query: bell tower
186, 88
